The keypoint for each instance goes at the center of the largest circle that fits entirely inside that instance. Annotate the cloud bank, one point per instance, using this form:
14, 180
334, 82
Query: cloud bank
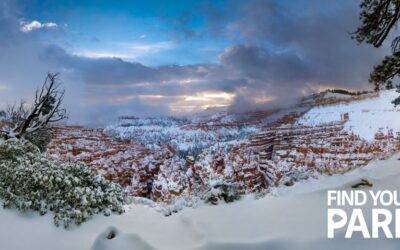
277, 53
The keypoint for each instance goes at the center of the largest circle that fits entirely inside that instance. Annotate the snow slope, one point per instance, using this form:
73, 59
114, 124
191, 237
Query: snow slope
337, 95
295, 219
366, 116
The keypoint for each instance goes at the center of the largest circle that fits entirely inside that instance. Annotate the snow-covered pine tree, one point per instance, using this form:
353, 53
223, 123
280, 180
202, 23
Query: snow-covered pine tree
73, 192
378, 20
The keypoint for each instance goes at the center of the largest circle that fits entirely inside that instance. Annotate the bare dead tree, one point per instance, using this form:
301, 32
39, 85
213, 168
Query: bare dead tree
16, 113
45, 109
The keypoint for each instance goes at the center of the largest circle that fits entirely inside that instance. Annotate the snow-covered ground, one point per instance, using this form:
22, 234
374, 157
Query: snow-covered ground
337, 95
294, 219
366, 116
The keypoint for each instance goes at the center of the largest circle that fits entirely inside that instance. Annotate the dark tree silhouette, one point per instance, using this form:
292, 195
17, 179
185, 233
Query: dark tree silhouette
379, 19
19, 120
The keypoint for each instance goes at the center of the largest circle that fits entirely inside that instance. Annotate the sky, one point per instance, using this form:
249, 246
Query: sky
164, 58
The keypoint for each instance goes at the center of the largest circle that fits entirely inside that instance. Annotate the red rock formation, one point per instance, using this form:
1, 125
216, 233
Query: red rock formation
250, 166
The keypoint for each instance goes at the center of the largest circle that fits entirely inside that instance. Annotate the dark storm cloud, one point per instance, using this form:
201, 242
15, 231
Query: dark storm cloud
317, 32
122, 76
112, 71
258, 63
294, 48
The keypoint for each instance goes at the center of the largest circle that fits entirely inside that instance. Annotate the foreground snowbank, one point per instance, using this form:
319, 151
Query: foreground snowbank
295, 219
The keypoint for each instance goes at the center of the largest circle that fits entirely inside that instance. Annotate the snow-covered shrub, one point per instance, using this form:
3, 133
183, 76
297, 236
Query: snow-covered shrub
40, 138
29, 180
296, 175
221, 191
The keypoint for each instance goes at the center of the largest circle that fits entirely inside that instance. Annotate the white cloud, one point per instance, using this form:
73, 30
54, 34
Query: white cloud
29, 26
148, 47
4, 87
126, 51
101, 54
